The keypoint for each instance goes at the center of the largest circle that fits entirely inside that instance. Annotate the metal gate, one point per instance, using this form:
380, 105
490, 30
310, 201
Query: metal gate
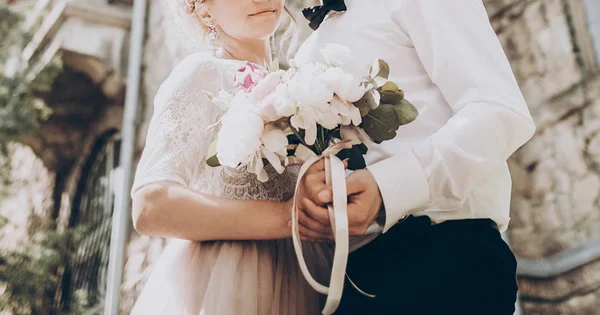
84, 281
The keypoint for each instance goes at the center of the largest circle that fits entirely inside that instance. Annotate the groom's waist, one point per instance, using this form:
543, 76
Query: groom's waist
416, 225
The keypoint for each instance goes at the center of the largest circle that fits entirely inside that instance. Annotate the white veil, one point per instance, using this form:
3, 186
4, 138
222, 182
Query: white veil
184, 34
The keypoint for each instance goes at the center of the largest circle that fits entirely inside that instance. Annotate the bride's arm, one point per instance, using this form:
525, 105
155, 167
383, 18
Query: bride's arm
167, 209
173, 159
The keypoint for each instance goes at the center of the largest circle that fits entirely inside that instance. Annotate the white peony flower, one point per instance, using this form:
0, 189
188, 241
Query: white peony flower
306, 118
349, 113
284, 105
306, 88
274, 147
267, 85
337, 55
277, 104
327, 117
239, 139
343, 84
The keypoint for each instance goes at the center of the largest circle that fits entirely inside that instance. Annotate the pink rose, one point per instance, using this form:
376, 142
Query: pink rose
248, 76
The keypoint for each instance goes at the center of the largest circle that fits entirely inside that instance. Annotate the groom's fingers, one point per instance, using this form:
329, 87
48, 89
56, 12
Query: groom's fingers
354, 184
317, 167
315, 181
325, 196
315, 212
310, 224
312, 236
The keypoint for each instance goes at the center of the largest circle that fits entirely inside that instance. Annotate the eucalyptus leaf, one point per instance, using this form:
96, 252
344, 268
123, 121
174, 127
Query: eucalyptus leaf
389, 86
380, 72
406, 112
366, 103
380, 69
381, 123
392, 97
212, 159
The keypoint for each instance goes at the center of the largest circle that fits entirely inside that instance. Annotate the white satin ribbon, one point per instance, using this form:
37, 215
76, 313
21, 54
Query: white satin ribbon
338, 216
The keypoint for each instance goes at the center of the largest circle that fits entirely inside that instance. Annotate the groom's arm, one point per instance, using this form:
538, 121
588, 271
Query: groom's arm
463, 57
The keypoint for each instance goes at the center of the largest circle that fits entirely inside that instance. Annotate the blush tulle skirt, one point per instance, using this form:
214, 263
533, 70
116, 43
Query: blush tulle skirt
234, 278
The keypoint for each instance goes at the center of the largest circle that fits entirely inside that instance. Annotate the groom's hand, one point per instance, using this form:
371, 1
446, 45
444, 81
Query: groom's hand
313, 216
364, 201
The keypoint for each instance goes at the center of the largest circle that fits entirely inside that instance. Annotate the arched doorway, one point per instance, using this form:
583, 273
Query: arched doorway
84, 280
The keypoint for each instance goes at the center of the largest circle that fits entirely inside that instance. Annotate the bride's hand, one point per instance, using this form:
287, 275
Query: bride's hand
313, 218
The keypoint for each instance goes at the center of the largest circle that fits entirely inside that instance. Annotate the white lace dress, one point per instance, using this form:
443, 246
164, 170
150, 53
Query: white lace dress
221, 277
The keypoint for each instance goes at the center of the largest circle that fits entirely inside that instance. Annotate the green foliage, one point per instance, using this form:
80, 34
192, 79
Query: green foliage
29, 274
21, 111
391, 110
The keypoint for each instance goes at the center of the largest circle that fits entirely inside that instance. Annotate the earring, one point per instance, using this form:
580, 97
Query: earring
213, 37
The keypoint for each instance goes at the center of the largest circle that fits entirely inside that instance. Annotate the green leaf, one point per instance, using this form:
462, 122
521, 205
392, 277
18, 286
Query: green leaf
406, 112
380, 69
380, 72
392, 97
381, 123
274, 67
365, 104
390, 93
389, 86
212, 159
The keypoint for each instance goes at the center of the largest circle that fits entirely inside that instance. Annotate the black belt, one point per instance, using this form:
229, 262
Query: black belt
420, 224
470, 222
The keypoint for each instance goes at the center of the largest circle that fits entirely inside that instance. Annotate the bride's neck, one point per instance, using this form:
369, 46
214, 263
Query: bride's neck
256, 51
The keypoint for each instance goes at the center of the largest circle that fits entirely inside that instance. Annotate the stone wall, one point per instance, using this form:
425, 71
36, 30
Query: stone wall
556, 176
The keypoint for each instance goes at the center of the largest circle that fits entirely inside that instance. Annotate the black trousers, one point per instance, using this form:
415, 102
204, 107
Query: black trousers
456, 267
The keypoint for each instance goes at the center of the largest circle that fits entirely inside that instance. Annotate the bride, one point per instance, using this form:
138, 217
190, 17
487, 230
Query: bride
231, 251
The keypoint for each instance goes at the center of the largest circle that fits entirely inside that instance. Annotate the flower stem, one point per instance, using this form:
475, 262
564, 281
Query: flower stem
297, 134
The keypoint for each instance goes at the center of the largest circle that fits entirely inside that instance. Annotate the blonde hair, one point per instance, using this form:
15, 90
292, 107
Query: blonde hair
290, 36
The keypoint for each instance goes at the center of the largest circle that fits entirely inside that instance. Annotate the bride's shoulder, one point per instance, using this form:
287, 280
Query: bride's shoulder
198, 70
198, 64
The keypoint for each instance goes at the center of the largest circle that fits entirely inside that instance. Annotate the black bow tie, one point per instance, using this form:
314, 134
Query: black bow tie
317, 14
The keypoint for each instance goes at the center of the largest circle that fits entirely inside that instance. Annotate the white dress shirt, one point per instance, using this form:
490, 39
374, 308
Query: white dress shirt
451, 162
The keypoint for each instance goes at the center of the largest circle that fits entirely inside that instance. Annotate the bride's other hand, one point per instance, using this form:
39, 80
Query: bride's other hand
313, 217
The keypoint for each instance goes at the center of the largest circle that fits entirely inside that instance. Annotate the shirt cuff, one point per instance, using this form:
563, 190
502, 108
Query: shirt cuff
403, 186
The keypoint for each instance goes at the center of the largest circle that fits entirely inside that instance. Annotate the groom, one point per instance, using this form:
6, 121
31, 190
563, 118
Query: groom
438, 193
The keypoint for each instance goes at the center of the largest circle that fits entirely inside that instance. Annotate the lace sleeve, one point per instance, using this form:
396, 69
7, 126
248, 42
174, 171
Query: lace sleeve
177, 139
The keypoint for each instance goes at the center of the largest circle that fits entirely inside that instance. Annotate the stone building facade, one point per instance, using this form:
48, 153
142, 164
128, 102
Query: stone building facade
553, 49
70, 173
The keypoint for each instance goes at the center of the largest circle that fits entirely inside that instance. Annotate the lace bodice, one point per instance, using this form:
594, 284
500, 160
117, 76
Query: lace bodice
178, 138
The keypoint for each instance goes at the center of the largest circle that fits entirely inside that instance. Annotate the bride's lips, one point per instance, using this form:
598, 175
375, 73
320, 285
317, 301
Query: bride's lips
263, 12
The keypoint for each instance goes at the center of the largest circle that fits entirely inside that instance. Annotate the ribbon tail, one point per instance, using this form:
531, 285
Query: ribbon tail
338, 214
296, 231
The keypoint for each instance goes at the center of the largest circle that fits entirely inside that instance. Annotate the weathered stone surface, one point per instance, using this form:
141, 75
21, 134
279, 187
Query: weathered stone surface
30, 196
556, 176
575, 292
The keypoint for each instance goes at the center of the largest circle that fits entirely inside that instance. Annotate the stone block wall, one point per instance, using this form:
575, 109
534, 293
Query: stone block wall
556, 176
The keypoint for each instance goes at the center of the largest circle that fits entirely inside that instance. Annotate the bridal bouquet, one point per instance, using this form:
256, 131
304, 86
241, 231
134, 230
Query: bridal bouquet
306, 113
302, 111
